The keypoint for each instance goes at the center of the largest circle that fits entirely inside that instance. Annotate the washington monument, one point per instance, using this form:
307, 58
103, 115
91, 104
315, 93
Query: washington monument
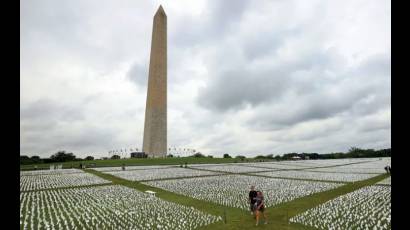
155, 127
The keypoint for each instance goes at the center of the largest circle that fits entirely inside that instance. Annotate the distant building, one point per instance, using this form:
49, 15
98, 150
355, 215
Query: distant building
138, 155
296, 158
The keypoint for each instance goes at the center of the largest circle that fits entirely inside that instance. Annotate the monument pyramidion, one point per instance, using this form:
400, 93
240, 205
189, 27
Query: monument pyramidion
155, 127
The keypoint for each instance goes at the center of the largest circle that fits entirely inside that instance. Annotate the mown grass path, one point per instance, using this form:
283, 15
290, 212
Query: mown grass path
234, 218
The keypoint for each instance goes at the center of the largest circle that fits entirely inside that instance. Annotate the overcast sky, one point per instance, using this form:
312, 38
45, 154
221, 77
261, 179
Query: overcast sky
244, 77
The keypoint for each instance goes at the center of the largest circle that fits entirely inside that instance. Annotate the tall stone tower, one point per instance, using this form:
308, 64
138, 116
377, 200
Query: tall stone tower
155, 127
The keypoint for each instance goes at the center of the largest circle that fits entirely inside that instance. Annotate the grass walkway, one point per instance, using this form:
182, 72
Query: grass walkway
278, 216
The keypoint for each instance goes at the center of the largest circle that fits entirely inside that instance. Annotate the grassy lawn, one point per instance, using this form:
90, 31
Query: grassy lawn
278, 215
142, 161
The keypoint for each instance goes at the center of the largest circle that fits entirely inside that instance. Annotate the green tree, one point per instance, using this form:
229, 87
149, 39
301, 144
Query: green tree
242, 158
62, 156
354, 150
198, 155
36, 159
89, 158
259, 157
25, 160
114, 157
227, 156
269, 156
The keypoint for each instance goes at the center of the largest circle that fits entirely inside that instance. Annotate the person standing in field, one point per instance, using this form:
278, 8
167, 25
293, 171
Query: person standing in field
260, 207
252, 196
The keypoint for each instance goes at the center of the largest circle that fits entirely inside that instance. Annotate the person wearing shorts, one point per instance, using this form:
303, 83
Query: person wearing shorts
260, 207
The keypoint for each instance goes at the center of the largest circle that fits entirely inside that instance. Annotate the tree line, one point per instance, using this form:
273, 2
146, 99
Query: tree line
60, 156
353, 152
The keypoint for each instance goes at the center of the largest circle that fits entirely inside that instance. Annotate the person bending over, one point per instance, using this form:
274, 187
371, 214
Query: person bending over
260, 207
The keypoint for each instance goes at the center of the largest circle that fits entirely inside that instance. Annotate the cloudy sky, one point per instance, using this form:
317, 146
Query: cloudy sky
244, 77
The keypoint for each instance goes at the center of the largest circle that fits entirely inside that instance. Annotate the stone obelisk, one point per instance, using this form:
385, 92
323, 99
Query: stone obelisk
155, 127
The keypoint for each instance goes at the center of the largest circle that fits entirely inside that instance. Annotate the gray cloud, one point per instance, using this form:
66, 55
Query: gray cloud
62, 138
301, 90
224, 14
259, 46
138, 73
351, 94
244, 83
46, 109
218, 20
233, 90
